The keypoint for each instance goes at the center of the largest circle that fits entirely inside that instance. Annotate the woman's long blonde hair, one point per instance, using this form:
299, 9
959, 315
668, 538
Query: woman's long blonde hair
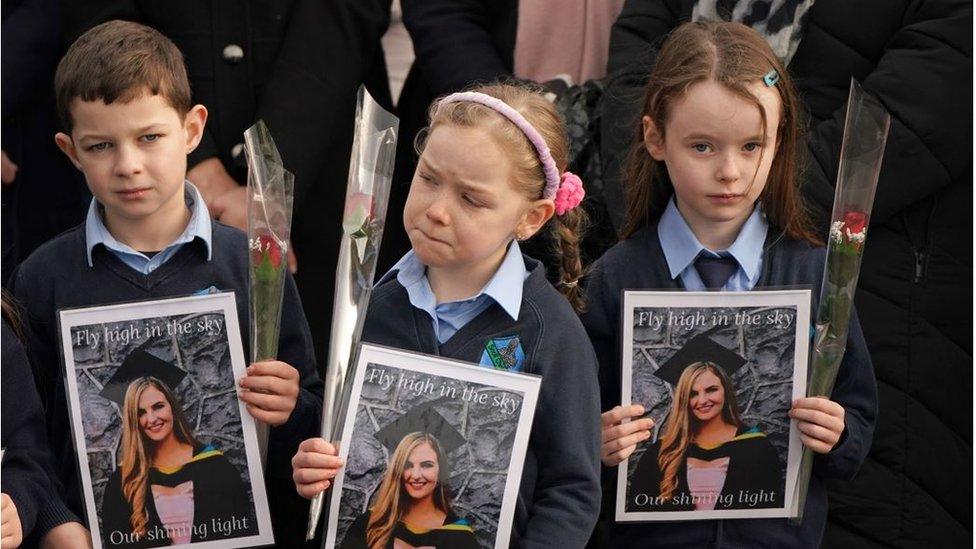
392, 501
135, 455
681, 426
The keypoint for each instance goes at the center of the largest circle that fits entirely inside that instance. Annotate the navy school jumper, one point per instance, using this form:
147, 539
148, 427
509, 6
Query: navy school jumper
559, 497
57, 276
639, 263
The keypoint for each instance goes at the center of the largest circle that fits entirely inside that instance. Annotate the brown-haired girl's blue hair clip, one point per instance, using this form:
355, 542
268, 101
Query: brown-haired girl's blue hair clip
771, 78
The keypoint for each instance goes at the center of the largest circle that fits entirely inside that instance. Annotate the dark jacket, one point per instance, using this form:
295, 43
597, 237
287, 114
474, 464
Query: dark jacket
638, 263
48, 195
57, 276
915, 287
559, 496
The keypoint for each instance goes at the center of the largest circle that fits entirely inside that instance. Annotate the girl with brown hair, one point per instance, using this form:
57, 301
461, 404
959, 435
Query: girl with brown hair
714, 203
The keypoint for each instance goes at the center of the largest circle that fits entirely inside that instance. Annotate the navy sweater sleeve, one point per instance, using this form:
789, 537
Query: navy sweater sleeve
857, 391
27, 477
600, 321
566, 441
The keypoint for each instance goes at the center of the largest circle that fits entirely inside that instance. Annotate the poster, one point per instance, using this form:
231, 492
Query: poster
717, 372
167, 453
433, 450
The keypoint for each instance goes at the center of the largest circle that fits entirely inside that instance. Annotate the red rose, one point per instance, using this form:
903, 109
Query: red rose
266, 247
855, 222
270, 247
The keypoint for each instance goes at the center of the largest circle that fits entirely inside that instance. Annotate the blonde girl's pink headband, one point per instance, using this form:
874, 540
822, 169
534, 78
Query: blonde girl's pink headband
566, 190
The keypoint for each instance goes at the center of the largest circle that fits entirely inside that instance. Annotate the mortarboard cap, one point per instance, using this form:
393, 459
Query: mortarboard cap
424, 419
700, 348
139, 364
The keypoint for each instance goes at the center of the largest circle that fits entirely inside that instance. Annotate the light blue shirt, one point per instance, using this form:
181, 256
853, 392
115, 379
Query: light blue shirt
504, 288
681, 247
96, 233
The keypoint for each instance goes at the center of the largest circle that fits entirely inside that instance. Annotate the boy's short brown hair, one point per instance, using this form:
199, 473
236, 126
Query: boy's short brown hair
120, 61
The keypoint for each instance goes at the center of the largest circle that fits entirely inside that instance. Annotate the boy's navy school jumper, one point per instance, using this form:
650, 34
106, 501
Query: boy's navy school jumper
559, 496
57, 276
639, 263
27, 461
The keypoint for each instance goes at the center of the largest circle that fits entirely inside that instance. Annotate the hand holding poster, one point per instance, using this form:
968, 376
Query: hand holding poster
433, 451
167, 453
718, 373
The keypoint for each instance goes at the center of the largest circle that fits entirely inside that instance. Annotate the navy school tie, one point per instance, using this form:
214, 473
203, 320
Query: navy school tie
715, 271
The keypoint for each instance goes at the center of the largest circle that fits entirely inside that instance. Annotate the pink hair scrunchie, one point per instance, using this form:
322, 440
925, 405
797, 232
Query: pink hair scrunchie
569, 194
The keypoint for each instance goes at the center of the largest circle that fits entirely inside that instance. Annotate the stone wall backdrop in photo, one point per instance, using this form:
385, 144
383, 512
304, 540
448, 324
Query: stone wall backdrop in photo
208, 393
478, 468
763, 386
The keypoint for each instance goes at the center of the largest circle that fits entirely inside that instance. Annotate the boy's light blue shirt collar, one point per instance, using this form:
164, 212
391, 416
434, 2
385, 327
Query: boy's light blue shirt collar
199, 226
504, 287
681, 247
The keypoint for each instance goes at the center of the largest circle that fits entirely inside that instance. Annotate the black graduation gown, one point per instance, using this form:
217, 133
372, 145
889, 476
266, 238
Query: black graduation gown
455, 534
221, 507
753, 466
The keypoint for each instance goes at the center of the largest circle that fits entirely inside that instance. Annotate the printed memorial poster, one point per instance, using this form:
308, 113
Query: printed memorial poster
433, 450
167, 453
718, 373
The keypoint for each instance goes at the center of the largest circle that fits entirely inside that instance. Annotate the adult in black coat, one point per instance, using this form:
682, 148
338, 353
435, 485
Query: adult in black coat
915, 289
296, 64
43, 194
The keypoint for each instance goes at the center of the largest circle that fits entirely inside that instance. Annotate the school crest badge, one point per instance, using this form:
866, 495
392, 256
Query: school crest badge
504, 353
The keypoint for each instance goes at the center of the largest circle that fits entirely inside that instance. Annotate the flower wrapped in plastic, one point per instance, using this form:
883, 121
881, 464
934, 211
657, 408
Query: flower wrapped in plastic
865, 135
367, 193
270, 195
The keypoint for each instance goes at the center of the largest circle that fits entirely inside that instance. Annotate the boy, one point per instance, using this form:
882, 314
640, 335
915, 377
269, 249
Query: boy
124, 100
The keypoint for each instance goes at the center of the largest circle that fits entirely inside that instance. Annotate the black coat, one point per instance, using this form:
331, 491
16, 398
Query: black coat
48, 195
915, 288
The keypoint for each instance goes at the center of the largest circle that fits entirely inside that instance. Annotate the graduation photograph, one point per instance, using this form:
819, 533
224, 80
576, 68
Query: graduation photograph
434, 451
166, 454
717, 373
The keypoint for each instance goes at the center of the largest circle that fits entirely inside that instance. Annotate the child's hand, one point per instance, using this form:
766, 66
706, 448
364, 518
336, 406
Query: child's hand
313, 467
821, 422
620, 439
11, 533
270, 390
